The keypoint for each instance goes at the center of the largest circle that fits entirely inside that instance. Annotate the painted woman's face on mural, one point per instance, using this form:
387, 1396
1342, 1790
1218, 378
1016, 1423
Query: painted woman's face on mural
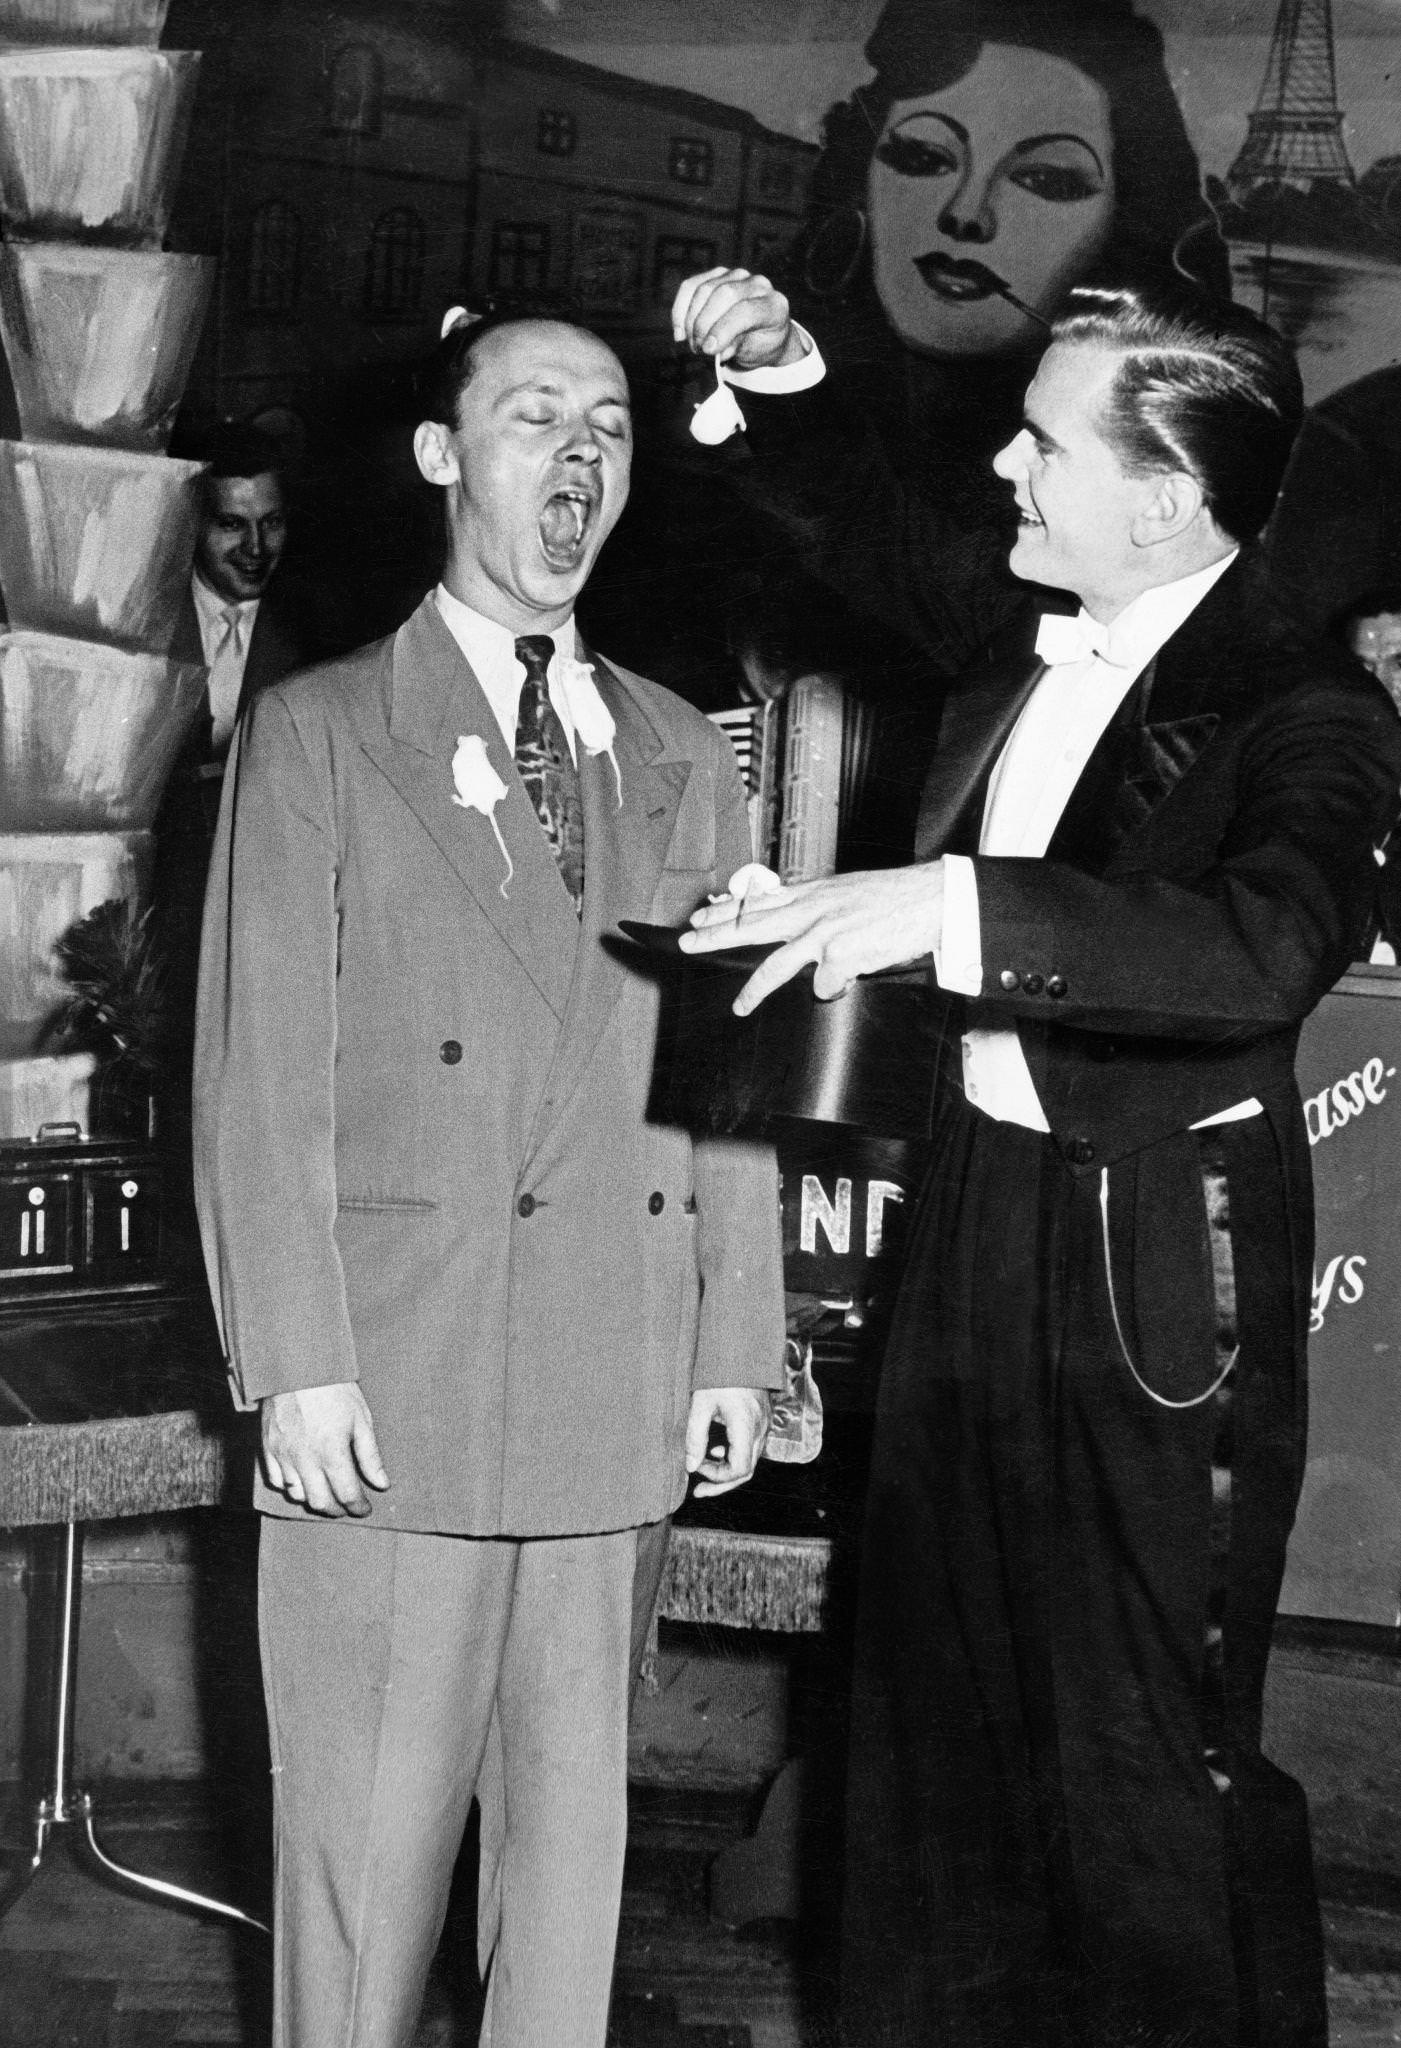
1002, 179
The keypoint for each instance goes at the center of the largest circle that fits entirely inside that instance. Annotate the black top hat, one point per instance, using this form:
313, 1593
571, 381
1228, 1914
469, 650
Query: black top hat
866, 1060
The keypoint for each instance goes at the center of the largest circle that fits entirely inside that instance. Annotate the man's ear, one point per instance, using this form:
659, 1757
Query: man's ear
1171, 503
433, 452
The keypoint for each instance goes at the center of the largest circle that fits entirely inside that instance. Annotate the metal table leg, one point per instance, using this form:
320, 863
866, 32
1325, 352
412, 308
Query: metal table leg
64, 1805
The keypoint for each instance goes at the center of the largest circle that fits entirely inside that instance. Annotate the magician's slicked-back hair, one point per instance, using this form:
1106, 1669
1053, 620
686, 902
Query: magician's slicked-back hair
1200, 387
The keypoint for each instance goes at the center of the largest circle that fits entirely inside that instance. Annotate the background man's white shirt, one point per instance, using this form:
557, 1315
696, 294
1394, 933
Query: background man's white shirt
225, 629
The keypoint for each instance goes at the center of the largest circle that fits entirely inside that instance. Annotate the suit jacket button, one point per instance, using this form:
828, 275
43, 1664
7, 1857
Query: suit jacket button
1056, 986
1010, 980
656, 1202
449, 1052
1033, 983
1079, 1151
526, 1206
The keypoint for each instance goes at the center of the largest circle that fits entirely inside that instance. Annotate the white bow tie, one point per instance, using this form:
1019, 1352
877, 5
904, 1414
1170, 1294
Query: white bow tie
1061, 639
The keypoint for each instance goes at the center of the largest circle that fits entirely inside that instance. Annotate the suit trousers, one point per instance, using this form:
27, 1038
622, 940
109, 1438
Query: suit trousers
394, 1664
1061, 1829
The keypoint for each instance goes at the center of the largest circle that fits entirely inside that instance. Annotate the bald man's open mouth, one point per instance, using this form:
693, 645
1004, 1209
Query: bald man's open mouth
565, 521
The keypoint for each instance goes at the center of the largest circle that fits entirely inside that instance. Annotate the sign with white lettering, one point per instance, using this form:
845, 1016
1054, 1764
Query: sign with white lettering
845, 1200
1345, 1555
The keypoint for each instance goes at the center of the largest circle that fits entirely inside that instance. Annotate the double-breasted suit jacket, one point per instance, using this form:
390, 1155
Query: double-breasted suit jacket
423, 1154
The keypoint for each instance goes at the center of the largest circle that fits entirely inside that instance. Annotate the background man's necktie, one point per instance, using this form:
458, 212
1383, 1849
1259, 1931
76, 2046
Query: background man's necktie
226, 663
546, 766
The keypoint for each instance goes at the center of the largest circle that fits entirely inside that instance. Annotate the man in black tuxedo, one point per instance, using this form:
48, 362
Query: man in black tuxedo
1144, 854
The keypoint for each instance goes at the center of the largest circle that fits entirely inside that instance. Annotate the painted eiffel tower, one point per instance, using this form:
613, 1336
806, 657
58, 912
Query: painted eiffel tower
1295, 134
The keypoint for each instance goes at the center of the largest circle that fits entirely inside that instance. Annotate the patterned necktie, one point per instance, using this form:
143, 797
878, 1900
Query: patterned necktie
546, 766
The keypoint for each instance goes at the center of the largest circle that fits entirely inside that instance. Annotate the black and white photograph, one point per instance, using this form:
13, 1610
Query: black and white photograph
700, 1023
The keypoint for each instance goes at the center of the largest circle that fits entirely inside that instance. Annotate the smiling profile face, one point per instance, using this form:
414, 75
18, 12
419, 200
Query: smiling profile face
536, 470
1004, 178
1078, 508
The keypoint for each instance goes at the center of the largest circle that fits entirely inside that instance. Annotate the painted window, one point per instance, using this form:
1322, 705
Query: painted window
520, 256
273, 282
355, 91
692, 161
556, 132
677, 257
394, 265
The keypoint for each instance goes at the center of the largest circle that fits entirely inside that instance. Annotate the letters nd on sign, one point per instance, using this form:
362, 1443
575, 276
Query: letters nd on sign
846, 1200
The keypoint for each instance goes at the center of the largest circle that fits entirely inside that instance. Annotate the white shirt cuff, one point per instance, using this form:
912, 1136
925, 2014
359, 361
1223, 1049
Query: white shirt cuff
958, 958
799, 376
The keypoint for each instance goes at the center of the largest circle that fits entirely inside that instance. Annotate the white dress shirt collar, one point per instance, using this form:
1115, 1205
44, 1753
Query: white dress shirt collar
1132, 639
213, 612
490, 651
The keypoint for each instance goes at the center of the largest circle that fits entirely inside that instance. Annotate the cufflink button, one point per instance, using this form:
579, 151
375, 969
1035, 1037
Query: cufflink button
449, 1052
656, 1202
1056, 987
526, 1206
1079, 1151
1033, 983
1010, 980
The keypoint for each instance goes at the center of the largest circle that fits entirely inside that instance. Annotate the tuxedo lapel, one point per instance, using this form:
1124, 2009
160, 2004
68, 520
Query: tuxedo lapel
1203, 673
1135, 764
625, 846
436, 699
1165, 749
975, 728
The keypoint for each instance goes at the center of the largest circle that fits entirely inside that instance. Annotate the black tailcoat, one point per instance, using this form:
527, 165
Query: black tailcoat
1061, 1828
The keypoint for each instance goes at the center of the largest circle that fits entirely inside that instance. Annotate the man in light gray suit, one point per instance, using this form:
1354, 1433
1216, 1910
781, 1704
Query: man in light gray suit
492, 1315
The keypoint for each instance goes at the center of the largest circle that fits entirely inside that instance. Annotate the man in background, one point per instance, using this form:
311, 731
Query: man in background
233, 622
1370, 628
238, 624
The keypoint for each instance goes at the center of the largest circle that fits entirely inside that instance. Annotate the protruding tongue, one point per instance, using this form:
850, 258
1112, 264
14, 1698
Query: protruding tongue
561, 528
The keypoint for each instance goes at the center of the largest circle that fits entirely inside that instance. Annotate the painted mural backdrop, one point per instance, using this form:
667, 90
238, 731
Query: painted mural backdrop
1303, 95
1290, 117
